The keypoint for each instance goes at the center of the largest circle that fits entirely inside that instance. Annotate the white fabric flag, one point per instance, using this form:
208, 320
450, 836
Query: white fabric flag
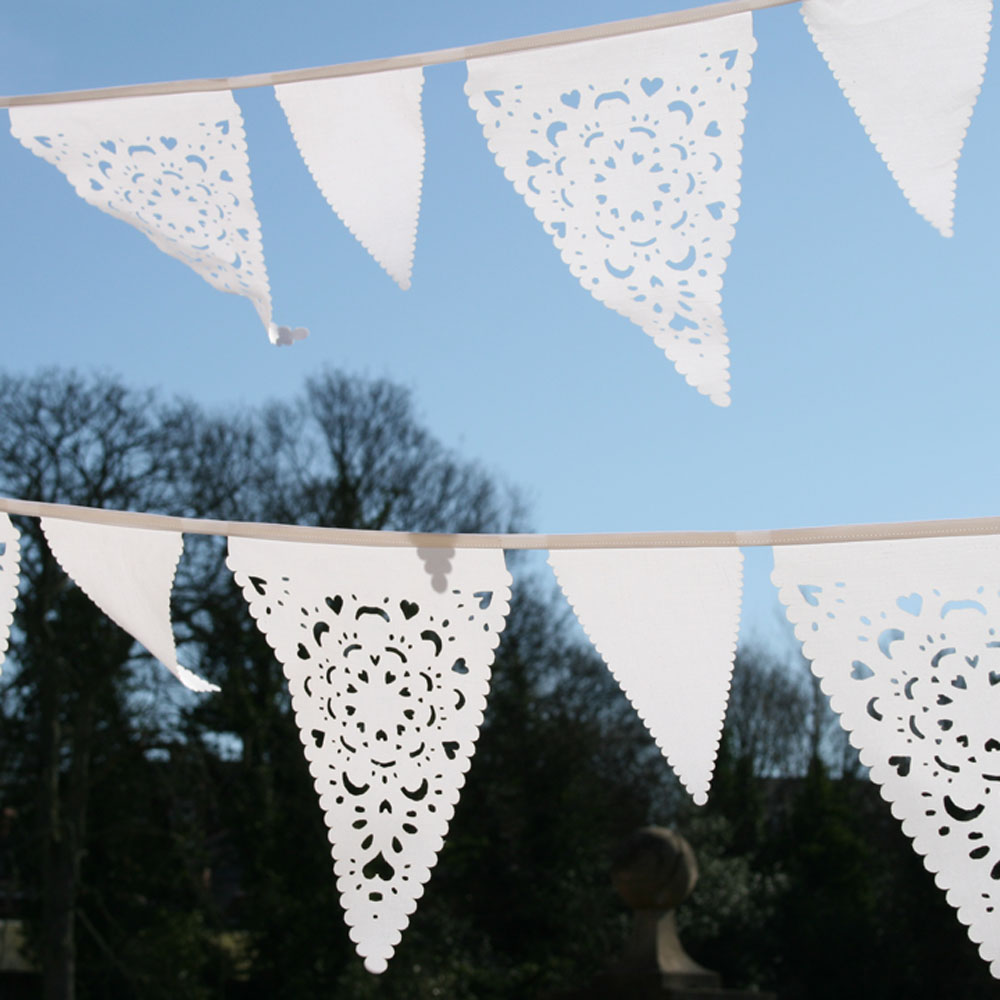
10, 568
912, 70
666, 622
628, 151
387, 654
128, 573
362, 138
175, 167
904, 637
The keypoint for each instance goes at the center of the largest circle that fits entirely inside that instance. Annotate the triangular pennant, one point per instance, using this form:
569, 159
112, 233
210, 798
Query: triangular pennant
362, 138
666, 622
904, 637
628, 151
128, 573
175, 167
387, 654
912, 71
10, 568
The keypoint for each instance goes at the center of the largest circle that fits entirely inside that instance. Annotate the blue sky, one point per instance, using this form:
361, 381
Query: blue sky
862, 343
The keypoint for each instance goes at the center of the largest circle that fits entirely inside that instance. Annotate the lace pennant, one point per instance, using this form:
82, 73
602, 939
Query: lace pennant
362, 138
912, 71
628, 151
904, 637
128, 573
666, 622
176, 168
387, 654
10, 567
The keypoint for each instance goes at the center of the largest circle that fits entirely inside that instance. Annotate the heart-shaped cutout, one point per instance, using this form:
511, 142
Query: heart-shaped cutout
861, 671
168, 141
912, 605
409, 609
572, 99
650, 85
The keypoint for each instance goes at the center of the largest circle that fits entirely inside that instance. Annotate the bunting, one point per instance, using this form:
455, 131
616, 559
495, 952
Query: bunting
362, 138
10, 566
624, 139
903, 636
666, 622
387, 648
387, 654
175, 167
128, 573
912, 71
628, 151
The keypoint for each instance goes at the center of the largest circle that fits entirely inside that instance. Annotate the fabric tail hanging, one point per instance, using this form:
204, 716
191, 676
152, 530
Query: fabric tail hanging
175, 167
666, 622
912, 71
10, 567
387, 654
628, 151
128, 573
362, 138
903, 636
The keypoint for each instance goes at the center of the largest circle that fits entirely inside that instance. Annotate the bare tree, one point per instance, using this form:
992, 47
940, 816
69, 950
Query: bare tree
95, 442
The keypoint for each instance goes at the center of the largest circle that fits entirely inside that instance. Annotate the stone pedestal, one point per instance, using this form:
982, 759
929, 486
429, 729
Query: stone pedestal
654, 871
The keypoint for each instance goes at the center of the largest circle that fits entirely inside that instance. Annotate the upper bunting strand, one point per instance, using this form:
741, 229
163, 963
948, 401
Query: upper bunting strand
437, 57
628, 151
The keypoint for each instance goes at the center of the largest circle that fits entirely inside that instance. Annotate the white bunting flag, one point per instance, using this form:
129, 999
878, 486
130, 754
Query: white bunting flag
175, 167
362, 138
912, 70
10, 568
904, 637
387, 654
666, 622
628, 151
128, 573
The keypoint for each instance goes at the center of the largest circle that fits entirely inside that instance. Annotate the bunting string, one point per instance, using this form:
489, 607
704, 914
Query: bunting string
438, 57
512, 541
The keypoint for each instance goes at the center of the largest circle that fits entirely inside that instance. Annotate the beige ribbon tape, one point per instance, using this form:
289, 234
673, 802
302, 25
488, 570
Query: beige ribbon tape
460, 54
413, 539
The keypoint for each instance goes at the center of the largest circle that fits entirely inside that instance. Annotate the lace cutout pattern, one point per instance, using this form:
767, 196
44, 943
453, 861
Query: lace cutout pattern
666, 622
174, 167
362, 138
10, 568
628, 151
387, 659
905, 637
912, 72
129, 574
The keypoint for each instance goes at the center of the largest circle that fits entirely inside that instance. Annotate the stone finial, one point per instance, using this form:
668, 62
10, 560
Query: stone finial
654, 871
